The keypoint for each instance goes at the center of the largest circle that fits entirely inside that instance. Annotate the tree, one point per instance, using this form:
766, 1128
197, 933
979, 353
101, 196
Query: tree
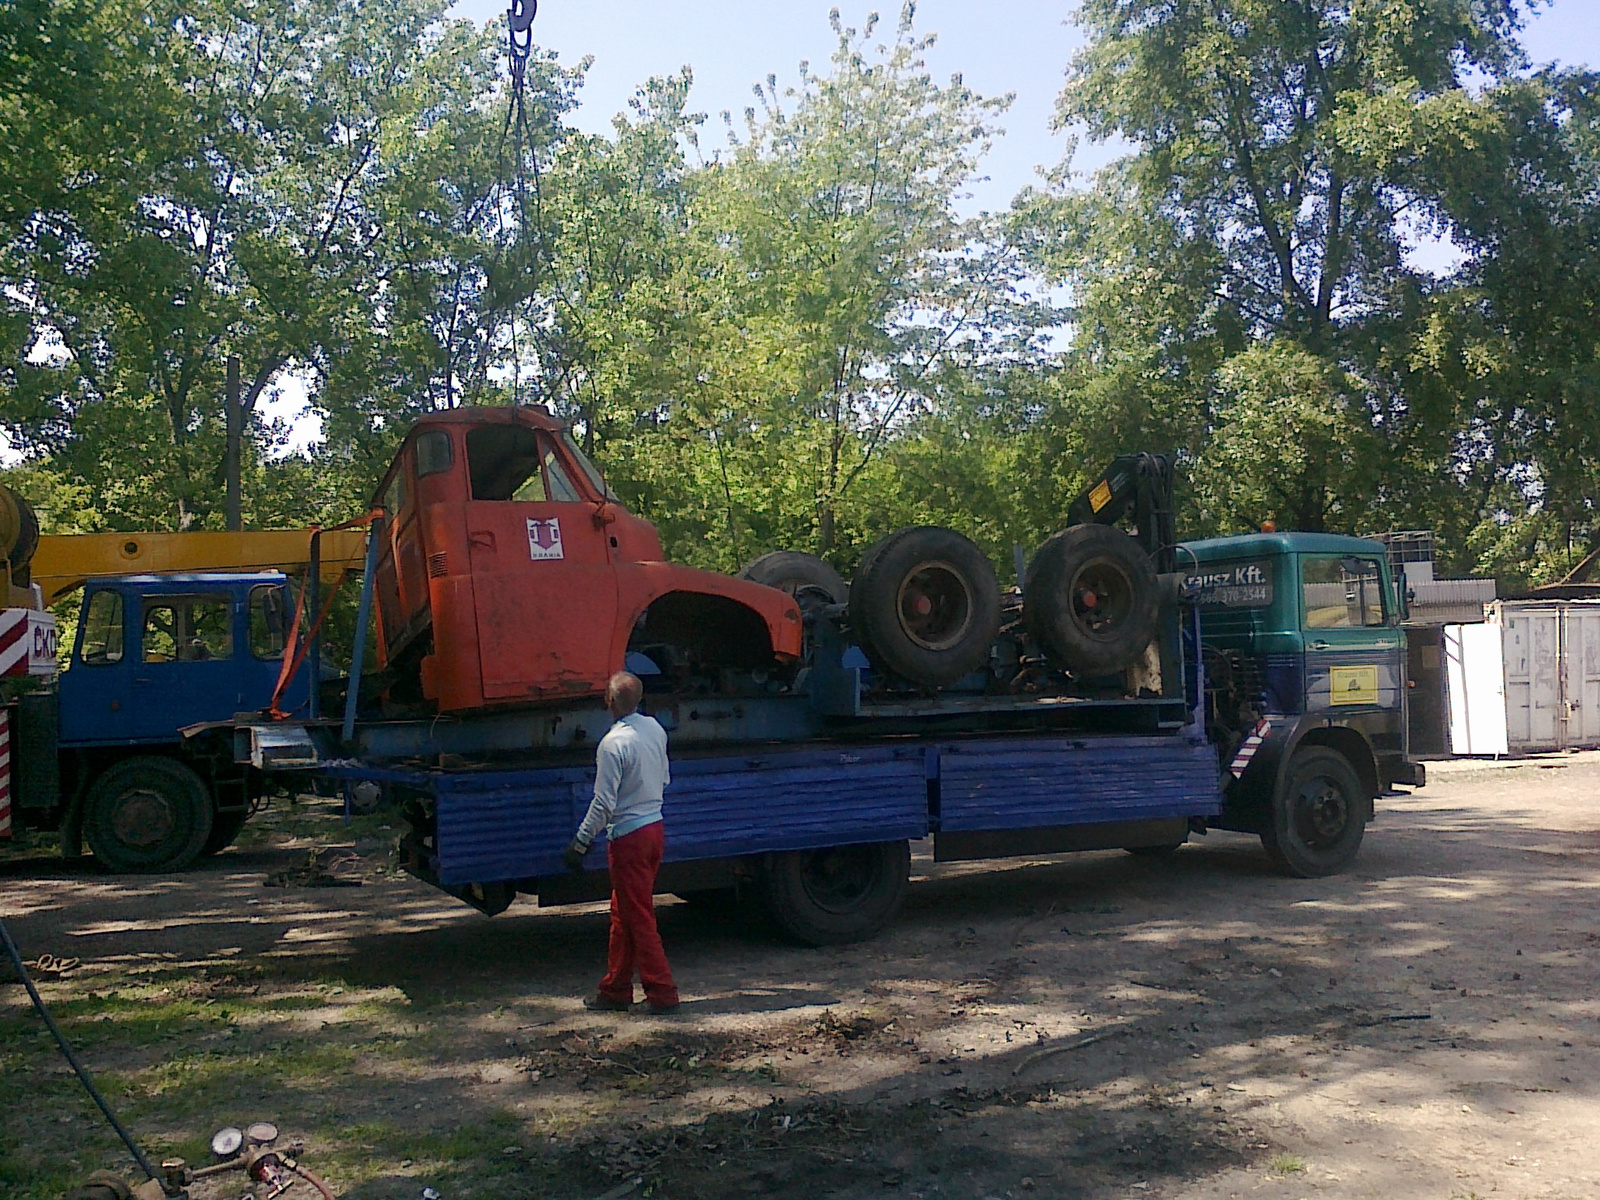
1241, 281
267, 204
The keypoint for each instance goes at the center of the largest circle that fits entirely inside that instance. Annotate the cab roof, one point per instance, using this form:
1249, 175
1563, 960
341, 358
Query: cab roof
189, 580
1255, 544
535, 416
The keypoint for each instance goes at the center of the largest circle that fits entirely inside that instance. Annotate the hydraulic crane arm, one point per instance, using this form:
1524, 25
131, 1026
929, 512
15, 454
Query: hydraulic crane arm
1141, 484
62, 563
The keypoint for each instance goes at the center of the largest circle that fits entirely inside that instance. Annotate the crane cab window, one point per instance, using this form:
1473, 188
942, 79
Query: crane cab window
187, 628
511, 462
102, 630
269, 625
1342, 592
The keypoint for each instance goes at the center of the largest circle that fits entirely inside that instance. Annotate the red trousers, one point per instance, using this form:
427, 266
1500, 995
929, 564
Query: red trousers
634, 859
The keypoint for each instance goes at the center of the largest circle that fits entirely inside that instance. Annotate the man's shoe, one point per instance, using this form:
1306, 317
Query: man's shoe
602, 1003
661, 1010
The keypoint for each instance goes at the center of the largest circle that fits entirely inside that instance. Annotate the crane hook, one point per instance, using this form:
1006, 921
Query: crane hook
519, 36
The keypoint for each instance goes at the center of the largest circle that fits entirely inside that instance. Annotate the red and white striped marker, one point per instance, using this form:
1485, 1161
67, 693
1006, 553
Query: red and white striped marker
5, 773
1248, 748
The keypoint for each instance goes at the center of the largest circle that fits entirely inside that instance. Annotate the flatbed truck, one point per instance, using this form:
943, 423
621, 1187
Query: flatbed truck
1263, 690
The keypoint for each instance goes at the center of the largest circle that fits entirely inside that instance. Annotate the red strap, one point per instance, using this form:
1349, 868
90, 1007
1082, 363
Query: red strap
295, 651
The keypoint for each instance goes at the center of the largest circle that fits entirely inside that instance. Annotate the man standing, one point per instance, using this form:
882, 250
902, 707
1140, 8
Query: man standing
631, 772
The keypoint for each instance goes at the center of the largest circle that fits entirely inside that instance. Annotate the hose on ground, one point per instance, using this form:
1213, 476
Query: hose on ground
72, 1059
314, 1180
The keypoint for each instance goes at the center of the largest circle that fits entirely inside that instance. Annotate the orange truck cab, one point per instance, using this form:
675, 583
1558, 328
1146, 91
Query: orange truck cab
510, 574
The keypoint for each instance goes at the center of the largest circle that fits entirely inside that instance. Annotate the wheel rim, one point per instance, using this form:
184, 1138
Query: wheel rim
934, 605
143, 818
838, 879
1321, 812
1100, 597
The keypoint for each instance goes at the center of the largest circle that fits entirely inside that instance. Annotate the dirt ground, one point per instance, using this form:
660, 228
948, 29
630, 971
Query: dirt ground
1096, 1025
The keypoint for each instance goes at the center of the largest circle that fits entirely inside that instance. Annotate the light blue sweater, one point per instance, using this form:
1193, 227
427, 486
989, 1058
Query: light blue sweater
631, 772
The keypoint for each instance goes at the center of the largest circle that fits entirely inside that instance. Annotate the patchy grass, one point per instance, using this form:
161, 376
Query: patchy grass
1287, 1164
305, 818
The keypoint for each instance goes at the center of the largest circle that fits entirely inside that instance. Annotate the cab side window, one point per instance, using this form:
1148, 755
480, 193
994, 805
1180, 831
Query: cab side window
511, 462
102, 630
503, 463
187, 629
1342, 592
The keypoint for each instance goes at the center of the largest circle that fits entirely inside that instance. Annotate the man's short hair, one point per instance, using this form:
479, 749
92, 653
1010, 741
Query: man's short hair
625, 690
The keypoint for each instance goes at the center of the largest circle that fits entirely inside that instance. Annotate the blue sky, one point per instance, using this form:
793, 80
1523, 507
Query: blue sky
999, 46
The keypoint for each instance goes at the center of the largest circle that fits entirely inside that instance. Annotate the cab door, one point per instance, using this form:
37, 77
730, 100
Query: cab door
1353, 643
544, 580
95, 688
185, 670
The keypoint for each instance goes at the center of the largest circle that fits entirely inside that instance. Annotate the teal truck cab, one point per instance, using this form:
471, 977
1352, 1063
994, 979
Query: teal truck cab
1305, 668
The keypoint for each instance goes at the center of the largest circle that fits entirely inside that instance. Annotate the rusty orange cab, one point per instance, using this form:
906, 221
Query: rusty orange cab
510, 574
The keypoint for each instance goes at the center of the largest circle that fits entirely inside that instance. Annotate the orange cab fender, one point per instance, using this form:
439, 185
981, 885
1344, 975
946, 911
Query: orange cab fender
640, 584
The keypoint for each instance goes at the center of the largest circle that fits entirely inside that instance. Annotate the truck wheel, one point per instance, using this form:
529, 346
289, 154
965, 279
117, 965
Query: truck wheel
147, 814
839, 894
925, 605
225, 826
1318, 818
1091, 598
809, 579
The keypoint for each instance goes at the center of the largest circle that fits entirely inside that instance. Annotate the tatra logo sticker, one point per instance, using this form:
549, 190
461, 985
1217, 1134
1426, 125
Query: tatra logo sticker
544, 538
1353, 685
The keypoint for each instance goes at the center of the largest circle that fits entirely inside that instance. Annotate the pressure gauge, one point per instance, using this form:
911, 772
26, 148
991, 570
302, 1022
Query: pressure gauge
225, 1142
262, 1133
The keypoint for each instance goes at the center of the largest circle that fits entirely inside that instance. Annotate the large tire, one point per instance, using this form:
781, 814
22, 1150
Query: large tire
147, 814
1091, 598
839, 894
809, 579
925, 605
1319, 816
225, 826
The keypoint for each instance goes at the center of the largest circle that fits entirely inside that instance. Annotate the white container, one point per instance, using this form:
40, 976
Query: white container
1552, 672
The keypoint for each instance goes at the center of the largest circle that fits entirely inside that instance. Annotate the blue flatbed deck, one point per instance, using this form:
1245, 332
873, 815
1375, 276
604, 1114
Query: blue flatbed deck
499, 825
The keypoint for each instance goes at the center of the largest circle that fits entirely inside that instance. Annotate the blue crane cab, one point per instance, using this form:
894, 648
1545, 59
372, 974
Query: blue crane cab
104, 754
156, 653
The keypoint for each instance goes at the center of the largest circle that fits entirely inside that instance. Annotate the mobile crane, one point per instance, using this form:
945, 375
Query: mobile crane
173, 629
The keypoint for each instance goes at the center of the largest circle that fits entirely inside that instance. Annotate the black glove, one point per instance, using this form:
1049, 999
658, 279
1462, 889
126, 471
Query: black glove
573, 856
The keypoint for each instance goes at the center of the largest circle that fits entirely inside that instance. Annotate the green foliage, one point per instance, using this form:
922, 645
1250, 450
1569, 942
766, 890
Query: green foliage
797, 339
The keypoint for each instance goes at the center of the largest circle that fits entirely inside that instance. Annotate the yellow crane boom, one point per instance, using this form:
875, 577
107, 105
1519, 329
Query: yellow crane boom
66, 561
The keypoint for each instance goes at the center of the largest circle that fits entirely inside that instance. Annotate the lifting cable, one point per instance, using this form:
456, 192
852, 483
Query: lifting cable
519, 43
530, 229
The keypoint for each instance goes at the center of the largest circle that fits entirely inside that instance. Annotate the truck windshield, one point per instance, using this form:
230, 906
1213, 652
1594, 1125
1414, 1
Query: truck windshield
587, 467
268, 621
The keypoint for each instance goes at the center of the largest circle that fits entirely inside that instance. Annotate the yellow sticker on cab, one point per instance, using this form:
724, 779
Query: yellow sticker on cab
1100, 496
1353, 685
